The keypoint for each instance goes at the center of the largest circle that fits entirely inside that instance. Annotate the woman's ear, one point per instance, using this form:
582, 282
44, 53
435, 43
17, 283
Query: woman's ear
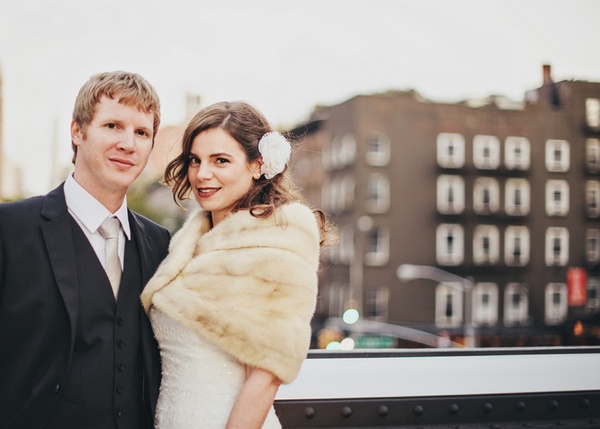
256, 168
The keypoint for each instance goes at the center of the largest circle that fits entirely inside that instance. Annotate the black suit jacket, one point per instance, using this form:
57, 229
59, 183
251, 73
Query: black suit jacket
39, 309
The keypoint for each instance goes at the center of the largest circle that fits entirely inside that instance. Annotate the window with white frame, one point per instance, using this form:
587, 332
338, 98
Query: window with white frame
448, 305
517, 153
516, 197
486, 245
378, 150
516, 304
593, 294
376, 305
592, 155
348, 149
592, 246
555, 303
449, 244
557, 246
486, 152
557, 197
592, 198
485, 304
378, 193
450, 194
450, 150
486, 195
516, 246
378, 247
557, 155
592, 113
342, 193
326, 155
346, 245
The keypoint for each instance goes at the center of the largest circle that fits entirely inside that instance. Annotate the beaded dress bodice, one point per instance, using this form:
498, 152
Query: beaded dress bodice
200, 382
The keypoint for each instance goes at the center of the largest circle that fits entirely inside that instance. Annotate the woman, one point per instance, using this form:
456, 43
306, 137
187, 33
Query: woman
232, 302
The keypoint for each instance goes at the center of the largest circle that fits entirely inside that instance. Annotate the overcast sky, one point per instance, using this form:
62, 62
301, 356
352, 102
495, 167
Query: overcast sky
284, 56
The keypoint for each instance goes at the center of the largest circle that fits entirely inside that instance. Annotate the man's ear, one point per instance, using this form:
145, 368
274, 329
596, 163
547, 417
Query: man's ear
77, 134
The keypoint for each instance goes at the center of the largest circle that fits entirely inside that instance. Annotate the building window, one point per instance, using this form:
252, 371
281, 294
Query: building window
486, 152
516, 246
516, 304
486, 245
378, 150
592, 198
557, 246
517, 153
450, 194
592, 113
448, 305
486, 195
557, 198
516, 198
592, 155
450, 150
449, 244
556, 303
341, 193
378, 247
557, 155
593, 294
485, 304
346, 245
592, 246
376, 305
378, 194
339, 152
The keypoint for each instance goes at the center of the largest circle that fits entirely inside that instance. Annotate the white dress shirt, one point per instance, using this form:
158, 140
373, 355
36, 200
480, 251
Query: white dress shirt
90, 213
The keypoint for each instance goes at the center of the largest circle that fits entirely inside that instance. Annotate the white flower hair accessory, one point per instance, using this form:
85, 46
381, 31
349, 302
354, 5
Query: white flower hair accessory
275, 151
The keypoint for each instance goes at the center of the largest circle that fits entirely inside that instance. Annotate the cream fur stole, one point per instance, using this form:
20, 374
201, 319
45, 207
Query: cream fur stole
248, 285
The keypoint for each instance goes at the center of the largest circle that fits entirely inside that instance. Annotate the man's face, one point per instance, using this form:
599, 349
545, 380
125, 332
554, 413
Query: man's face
113, 149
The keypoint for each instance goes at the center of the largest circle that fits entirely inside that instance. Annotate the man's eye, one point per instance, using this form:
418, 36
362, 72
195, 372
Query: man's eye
111, 126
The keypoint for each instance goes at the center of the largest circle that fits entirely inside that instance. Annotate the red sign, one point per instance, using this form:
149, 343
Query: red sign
577, 286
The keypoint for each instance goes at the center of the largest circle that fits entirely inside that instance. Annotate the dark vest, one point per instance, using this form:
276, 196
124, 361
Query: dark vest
103, 389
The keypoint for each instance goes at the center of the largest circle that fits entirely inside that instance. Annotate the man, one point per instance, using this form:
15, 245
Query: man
77, 351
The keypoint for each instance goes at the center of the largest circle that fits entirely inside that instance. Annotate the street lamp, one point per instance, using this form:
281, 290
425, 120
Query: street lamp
407, 272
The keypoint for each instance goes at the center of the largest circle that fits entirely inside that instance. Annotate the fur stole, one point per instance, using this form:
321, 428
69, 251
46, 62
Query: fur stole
248, 285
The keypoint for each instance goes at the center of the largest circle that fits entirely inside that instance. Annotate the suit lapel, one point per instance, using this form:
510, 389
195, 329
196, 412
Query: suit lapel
58, 236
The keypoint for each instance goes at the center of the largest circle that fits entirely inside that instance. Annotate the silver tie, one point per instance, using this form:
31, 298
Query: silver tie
110, 231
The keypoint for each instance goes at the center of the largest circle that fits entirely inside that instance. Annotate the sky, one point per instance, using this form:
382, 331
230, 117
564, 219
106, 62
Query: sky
283, 56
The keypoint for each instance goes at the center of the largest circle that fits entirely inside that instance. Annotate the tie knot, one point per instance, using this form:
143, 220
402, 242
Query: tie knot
110, 228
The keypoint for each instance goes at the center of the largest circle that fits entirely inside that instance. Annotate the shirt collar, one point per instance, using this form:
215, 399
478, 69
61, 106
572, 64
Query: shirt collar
90, 212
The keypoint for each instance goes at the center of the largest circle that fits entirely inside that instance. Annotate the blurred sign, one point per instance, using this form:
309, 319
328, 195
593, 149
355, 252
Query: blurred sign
374, 342
577, 286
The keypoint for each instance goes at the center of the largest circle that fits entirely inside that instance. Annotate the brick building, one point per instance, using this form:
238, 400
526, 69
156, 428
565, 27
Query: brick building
503, 195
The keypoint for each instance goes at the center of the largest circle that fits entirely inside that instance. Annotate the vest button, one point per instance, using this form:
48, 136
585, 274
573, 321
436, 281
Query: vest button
121, 367
120, 389
120, 344
120, 321
118, 413
57, 388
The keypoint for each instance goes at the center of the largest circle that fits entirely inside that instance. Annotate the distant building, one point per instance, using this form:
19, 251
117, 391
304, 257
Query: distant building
504, 194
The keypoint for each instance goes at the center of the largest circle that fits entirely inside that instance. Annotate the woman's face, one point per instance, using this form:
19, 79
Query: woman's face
219, 172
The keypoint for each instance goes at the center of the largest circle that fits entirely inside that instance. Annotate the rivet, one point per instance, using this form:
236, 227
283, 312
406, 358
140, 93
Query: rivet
585, 404
488, 407
346, 412
453, 409
553, 405
418, 410
309, 412
382, 411
520, 406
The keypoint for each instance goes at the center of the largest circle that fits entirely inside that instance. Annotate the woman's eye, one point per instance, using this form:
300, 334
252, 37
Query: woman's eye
194, 161
222, 160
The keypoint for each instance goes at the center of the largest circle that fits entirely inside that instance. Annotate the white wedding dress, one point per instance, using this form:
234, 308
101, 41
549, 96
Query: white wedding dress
200, 382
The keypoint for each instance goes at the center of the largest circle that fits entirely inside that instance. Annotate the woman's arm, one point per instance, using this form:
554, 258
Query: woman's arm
254, 401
